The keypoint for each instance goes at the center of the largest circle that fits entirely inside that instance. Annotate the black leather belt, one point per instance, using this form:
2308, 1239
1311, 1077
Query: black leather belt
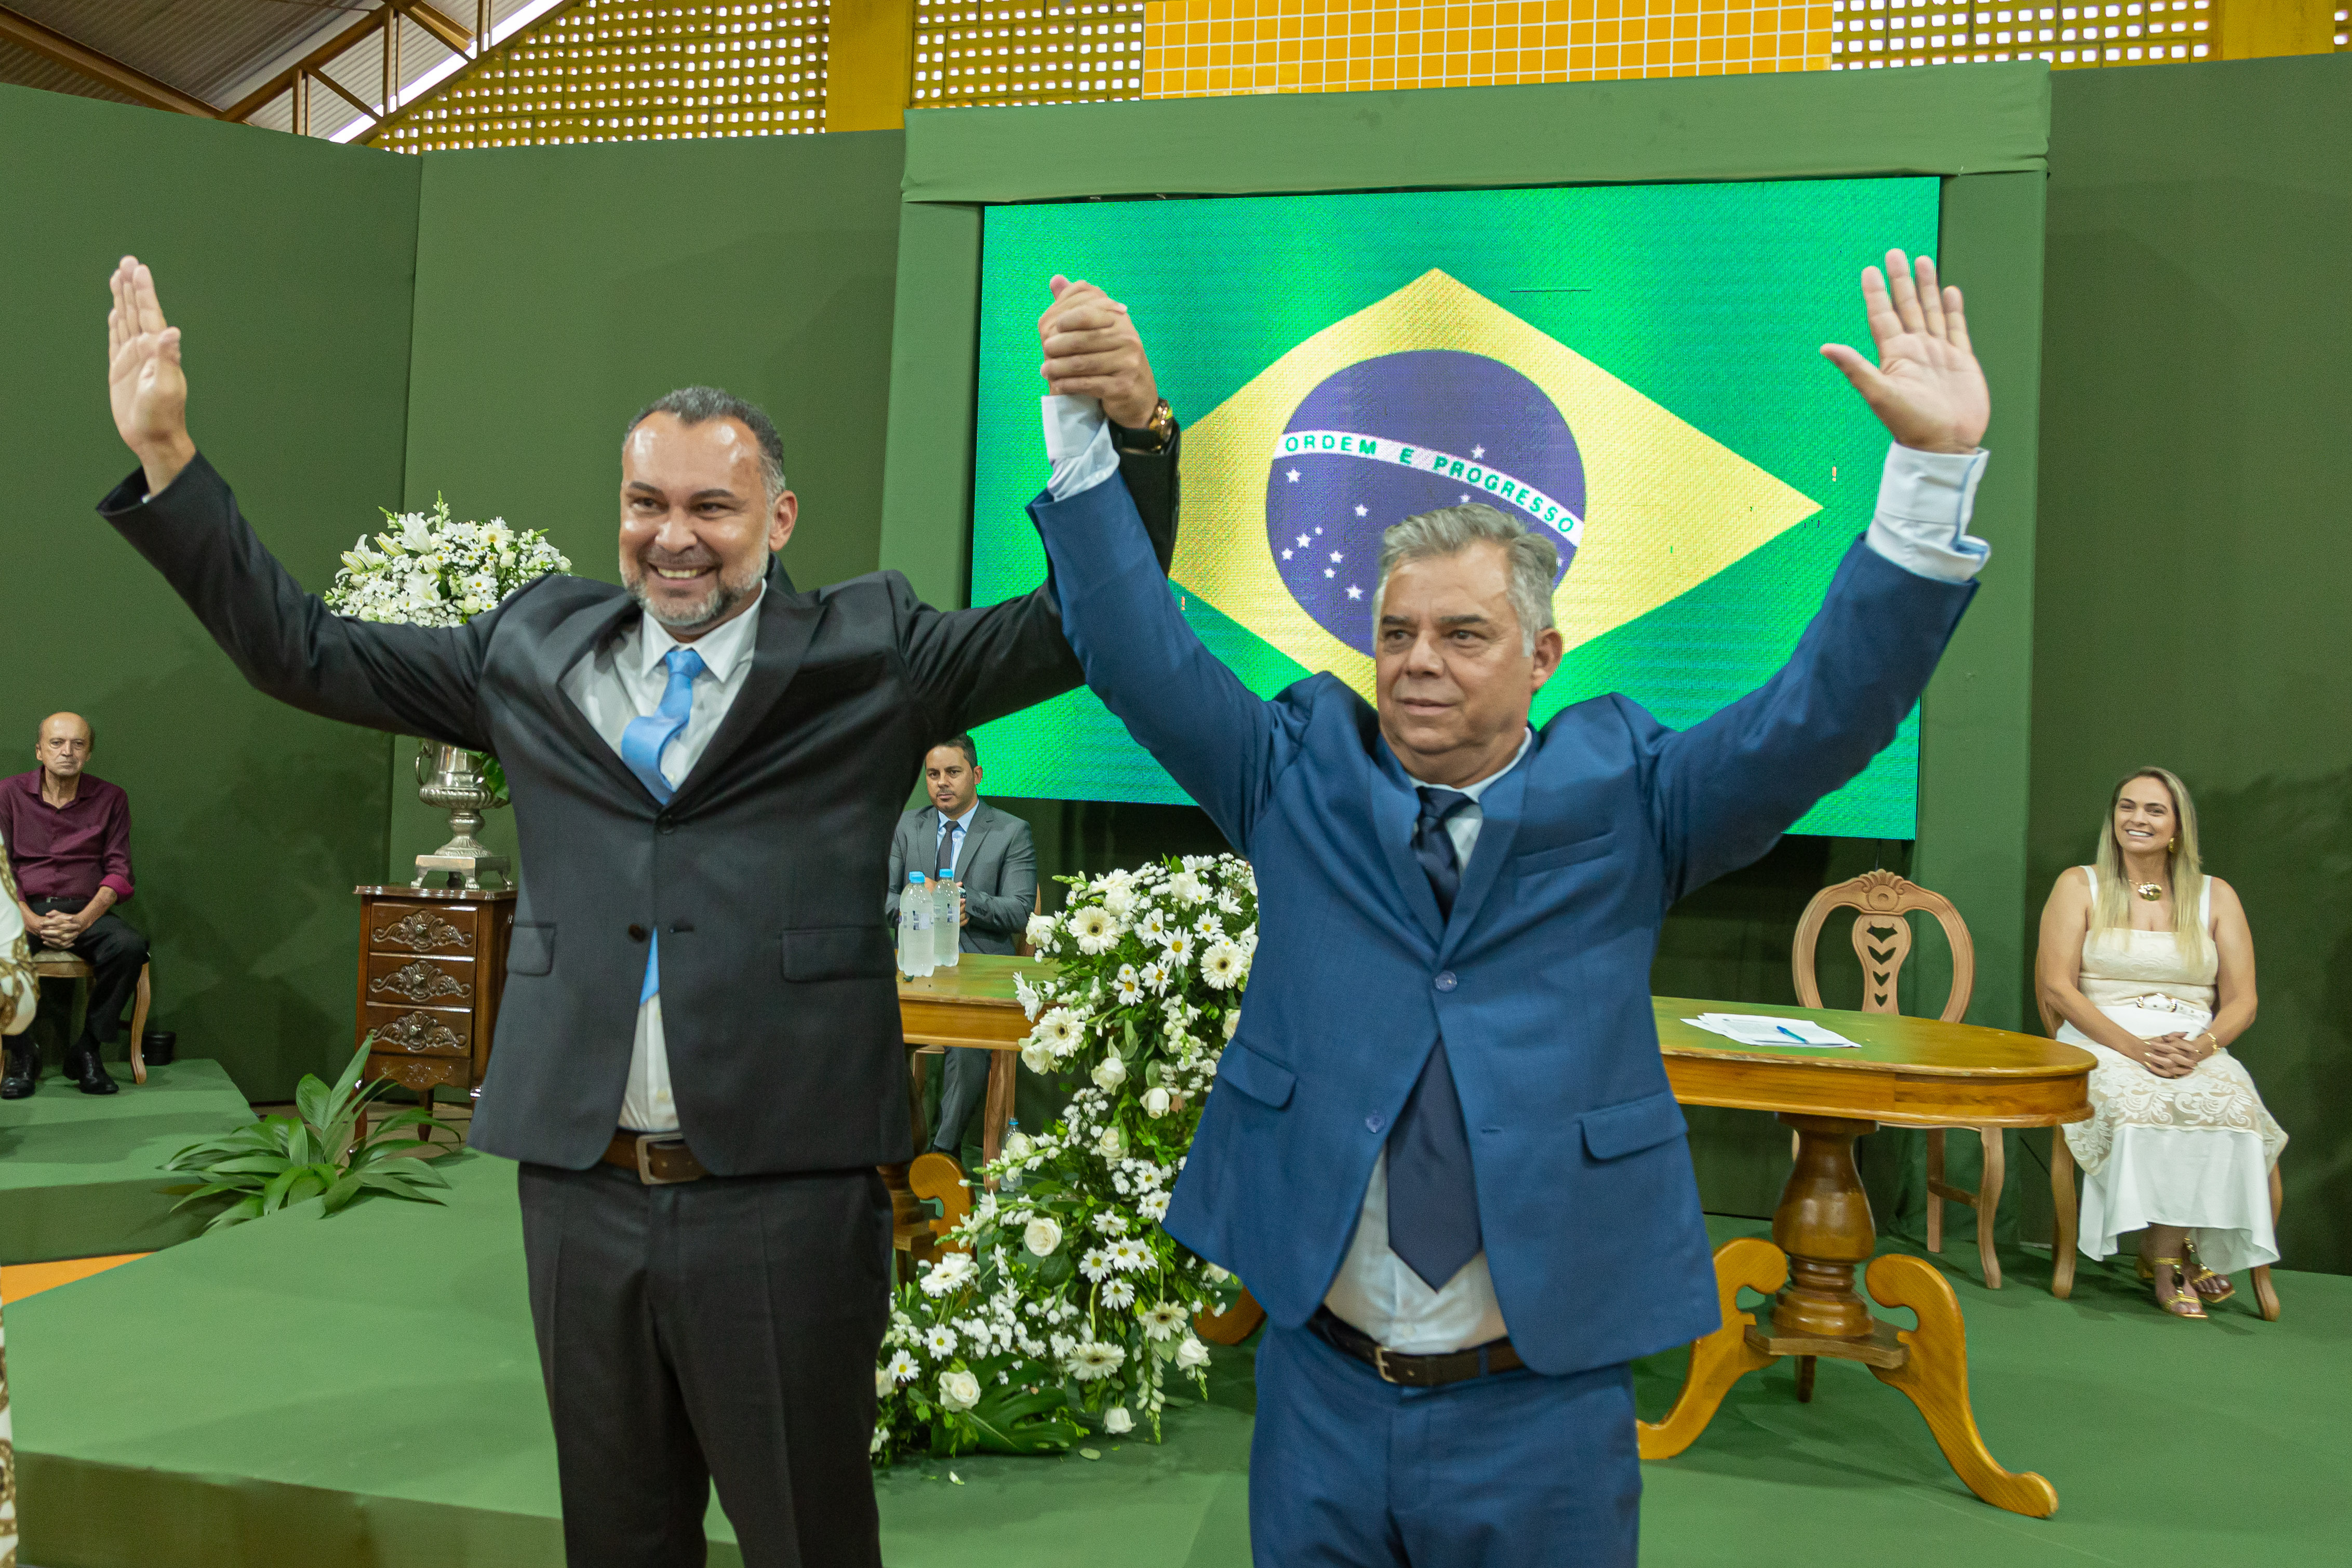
659, 1159
1413, 1371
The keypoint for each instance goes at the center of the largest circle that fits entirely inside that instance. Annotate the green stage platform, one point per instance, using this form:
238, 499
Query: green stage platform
363, 1390
80, 1174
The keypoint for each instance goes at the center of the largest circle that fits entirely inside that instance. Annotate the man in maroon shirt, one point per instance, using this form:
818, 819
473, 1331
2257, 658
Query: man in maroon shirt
68, 838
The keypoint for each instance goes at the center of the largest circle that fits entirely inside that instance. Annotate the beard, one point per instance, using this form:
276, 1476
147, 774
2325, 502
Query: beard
724, 596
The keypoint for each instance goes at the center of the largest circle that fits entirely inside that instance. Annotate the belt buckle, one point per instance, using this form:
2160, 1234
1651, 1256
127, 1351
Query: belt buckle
1380, 1364
647, 1144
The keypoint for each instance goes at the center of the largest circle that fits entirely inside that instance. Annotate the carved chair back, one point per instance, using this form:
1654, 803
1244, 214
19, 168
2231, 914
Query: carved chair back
1882, 940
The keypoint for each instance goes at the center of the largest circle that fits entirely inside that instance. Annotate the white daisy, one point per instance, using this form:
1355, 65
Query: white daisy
939, 1340
1223, 965
1152, 928
1095, 929
1161, 1320
1128, 1253
1187, 887
1154, 976
1154, 1207
902, 1367
1177, 949
1127, 990
1095, 1263
1092, 1359
947, 1273
1118, 1295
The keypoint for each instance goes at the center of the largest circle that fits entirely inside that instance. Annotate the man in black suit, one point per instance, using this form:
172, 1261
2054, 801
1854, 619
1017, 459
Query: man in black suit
699, 1061
995, 867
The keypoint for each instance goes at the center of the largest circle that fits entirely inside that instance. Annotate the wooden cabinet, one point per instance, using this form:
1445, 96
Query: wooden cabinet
433, 963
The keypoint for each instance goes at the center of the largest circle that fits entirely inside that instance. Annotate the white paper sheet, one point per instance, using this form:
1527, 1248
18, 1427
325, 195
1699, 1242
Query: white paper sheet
1757, 1029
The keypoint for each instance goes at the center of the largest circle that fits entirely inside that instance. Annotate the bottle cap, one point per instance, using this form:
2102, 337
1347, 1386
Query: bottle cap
914, 876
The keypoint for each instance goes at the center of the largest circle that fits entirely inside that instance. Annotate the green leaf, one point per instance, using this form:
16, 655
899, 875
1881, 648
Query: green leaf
310, 1100
236, 1214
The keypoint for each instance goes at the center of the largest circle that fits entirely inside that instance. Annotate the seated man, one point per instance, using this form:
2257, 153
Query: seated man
990, 856
69, 837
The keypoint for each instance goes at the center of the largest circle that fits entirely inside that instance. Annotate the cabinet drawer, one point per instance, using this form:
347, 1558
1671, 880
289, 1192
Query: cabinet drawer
419, 1031
450, 930
421, 982
417, 1071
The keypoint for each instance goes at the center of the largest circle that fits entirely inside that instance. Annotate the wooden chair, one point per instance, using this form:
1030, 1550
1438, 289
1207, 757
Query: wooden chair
1882, 940
58, 964
2069, 1213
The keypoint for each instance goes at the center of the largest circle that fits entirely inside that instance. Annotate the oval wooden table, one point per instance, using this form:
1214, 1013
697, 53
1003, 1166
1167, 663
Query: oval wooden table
1908, 1073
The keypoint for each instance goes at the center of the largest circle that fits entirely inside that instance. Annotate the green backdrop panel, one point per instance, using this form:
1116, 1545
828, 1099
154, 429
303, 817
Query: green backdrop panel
1799, 123
2190, 604
288, 261
1732, 942
561, 289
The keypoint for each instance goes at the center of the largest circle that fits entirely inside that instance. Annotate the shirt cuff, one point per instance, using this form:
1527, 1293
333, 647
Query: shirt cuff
1924, 501
1078, 440
121, 886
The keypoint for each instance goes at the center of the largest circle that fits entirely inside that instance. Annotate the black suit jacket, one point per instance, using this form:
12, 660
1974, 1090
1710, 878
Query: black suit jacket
778, 1000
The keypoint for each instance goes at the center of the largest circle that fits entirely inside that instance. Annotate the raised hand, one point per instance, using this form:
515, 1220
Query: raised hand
1926, 388
1092, 350
143, 379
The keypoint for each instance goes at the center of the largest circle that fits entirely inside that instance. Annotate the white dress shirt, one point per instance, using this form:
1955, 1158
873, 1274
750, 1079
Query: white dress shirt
625, 680
1925, 502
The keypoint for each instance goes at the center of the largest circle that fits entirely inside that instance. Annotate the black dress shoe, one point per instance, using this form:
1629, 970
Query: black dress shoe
90, 1074
23, 1074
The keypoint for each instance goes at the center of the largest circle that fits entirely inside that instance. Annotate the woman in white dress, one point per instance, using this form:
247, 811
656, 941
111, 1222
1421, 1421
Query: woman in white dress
2149, 962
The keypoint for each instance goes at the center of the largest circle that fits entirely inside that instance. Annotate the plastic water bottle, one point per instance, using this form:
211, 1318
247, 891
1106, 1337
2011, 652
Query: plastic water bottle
915, 928
946, 929
1010, 1178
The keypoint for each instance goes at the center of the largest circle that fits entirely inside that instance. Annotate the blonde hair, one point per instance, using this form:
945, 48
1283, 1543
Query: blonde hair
2184, 872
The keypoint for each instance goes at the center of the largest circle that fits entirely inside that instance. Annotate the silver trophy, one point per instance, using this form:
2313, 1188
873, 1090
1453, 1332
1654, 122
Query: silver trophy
450, 776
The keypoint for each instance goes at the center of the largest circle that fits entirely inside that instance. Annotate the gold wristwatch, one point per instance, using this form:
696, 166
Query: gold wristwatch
1151, 436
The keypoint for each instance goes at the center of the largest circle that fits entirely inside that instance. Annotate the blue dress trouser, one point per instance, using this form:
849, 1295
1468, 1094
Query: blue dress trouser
1511, 1470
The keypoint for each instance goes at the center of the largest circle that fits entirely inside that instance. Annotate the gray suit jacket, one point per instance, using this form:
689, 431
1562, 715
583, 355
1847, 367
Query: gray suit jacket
997, 866
778, 999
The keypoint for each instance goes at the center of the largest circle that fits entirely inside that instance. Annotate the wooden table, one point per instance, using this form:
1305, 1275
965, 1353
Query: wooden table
1910, 1073
970, 1005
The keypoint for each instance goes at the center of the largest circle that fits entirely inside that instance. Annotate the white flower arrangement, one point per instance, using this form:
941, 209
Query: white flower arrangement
1058, 1333
435, 571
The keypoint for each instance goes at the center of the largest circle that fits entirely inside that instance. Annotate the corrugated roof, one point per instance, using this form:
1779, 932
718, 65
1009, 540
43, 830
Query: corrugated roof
219, 50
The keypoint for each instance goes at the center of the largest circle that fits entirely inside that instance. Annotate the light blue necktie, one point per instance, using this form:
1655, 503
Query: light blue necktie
642, 745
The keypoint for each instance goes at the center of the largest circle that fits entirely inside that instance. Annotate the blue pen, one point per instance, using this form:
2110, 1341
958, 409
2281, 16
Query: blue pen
1793, 1034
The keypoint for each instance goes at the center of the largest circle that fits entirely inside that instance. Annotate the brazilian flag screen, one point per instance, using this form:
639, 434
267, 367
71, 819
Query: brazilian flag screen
1632, 370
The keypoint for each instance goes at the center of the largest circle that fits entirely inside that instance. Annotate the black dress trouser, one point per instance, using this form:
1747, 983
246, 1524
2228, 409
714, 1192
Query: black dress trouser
722, 1330
112, 947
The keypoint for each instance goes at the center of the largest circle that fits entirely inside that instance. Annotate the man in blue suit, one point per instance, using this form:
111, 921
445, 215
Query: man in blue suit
1441, 1148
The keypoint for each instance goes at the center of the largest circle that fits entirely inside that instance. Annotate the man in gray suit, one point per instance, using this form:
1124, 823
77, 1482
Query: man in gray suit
994, 864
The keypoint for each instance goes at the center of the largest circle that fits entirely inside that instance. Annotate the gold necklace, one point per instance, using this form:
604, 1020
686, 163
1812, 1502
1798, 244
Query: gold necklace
2151, 891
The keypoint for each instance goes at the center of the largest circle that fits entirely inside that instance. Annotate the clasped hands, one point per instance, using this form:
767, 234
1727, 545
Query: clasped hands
2175, 1055
1092, 350
59, 928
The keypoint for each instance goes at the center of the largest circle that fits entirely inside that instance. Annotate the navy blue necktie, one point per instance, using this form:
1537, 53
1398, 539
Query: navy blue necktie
1433, 1195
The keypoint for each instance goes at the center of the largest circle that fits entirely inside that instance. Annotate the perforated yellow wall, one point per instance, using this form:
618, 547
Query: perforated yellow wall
971, 52
632, 70
1207, 48
1868, 34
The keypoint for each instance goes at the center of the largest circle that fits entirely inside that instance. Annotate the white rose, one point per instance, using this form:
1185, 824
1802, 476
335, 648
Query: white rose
1038, 1057
1110, 1072
1115, 1420
1192, 1354
1233, 1022
1155, 1102
1041, 931
1016, 1146
1041, 1236
1110, 1145
958, 1390
883, 1383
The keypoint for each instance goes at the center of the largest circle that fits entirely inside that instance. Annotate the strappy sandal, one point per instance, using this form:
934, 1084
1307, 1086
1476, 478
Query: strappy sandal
2213, 1289
2184, 1303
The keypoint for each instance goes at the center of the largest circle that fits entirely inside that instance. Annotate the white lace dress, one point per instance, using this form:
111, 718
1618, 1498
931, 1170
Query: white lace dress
2194, 1151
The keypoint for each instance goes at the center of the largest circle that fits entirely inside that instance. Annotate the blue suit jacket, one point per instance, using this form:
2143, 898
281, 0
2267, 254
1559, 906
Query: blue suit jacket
1541, 981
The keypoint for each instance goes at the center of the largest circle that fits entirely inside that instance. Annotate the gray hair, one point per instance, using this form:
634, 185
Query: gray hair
695, 405
1532, 559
